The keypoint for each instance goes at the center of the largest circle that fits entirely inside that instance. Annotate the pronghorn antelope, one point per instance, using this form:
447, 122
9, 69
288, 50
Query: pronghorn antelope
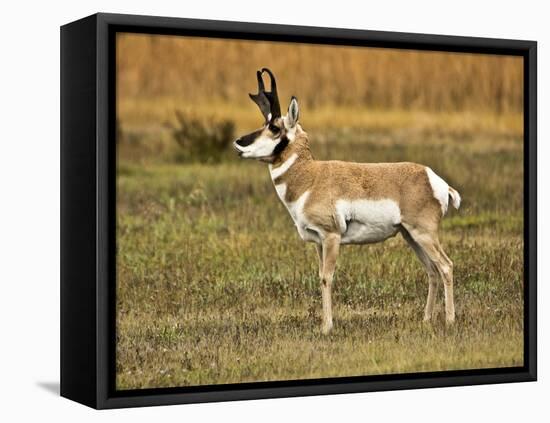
334, 202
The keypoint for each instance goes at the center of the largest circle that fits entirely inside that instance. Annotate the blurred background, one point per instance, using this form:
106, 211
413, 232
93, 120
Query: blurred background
214, 284
172, 90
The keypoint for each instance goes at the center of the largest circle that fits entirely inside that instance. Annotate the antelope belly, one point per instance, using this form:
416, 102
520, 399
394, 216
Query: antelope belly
367, 221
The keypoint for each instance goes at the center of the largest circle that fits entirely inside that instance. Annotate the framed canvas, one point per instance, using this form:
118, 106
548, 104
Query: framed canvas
257, 211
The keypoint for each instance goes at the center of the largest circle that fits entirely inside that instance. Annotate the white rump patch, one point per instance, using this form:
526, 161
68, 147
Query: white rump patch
281, 170
367, 221
440, 189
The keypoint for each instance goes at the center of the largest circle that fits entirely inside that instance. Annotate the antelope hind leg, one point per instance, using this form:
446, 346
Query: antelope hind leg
429, 243
433, 275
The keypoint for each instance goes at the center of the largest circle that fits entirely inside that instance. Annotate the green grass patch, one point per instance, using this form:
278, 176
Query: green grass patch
215, 286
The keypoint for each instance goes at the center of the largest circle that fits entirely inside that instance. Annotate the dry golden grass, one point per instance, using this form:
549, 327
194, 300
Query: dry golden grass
198, 70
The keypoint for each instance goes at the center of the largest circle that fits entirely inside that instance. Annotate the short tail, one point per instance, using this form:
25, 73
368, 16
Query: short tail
455, 197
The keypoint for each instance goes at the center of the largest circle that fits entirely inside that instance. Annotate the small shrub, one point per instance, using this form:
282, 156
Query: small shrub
202, 140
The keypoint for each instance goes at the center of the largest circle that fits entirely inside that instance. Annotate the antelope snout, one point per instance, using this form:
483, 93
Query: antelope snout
237, 146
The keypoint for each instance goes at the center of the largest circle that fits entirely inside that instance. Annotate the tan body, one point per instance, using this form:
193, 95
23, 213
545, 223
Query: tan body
328, 182
334, 202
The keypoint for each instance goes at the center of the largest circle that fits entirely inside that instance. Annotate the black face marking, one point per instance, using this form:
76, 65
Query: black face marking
281, 146
248, 139
274, 129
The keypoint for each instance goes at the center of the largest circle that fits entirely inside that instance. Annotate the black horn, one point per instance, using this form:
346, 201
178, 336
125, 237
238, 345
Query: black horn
261, 99
272, 95
267, 101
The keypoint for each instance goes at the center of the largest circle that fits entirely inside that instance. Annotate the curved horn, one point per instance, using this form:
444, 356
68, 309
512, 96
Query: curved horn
261, 98
272, 96
261, 87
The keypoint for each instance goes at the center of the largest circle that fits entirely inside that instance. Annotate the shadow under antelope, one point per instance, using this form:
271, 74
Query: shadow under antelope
335, 202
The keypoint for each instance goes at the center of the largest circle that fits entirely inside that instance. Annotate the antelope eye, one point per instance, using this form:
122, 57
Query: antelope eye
274, 129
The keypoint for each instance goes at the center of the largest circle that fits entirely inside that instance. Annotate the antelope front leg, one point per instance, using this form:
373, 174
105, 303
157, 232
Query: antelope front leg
330, 248
319, 249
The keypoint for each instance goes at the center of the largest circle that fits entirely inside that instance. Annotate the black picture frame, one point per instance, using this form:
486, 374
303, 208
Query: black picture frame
88, 130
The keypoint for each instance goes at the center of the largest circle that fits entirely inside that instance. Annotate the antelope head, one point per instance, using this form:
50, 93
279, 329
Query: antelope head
272, 138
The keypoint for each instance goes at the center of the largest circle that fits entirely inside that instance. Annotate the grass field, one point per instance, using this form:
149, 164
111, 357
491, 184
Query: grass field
215, 286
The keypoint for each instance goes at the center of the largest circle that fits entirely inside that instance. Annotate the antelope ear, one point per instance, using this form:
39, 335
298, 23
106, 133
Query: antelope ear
291, 119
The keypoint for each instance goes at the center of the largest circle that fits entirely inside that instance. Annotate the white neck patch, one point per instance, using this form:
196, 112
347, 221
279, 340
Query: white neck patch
281, 170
